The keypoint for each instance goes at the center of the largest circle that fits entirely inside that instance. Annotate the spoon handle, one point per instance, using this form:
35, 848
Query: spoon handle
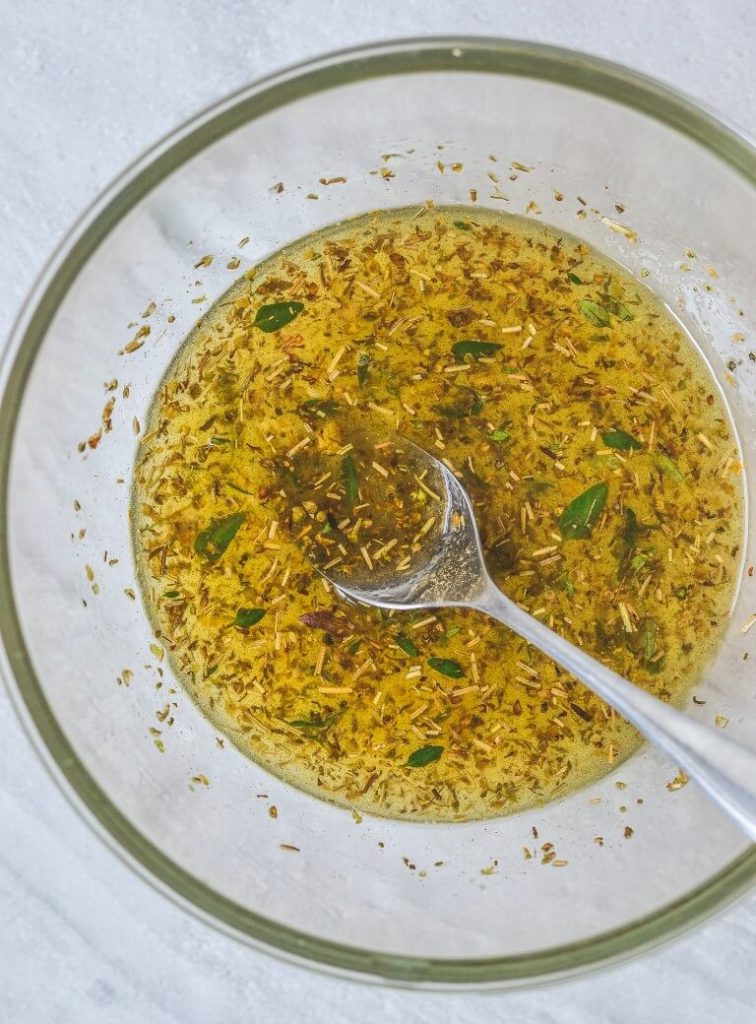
723, 768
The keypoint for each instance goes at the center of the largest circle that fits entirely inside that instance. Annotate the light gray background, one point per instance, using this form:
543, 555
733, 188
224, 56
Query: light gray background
85, 86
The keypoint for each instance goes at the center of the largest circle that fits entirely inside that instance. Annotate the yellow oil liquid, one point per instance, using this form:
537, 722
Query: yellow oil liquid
584, 379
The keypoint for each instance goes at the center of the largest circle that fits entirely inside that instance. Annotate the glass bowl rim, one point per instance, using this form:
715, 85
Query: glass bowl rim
428, 54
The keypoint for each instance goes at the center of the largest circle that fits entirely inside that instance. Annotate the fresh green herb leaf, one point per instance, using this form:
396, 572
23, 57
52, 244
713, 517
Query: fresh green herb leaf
462, 225
246, 617
574, 278
601, 315
569, 586
276, 315
667, 466
171, 594
408, 646
211, 671
499, 435
630, 531
212, 542
476, 349
649, 646
424, 756
452, 631
319, 407
349, 476
219, 441
363, 368
595, 313
620, 440
447, 667
582, 514
354, 646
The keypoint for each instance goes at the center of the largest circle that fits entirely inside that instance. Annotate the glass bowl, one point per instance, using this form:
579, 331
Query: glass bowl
666, 190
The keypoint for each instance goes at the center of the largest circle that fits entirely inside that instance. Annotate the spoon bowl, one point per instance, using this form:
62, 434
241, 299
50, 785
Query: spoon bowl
450, 571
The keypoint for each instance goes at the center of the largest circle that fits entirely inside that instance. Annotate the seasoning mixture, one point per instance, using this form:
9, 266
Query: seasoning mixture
590, 436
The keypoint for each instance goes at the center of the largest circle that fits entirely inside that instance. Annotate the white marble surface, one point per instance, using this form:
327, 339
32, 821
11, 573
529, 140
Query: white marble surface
84, 89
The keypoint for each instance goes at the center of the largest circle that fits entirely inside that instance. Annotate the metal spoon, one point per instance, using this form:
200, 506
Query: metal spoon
450, 571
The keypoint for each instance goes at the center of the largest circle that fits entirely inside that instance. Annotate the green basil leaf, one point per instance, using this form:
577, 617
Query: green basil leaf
574, 278
349, 476
408, 646
246, 617
277, 315
667, 466
212, 542
621, 441
630, 531
424, 756
649, 643
447, 667
170, 595
595, 313
476, 349
582, 514
499, 435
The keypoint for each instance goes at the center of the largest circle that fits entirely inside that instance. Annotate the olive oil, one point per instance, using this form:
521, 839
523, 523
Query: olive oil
588, 431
